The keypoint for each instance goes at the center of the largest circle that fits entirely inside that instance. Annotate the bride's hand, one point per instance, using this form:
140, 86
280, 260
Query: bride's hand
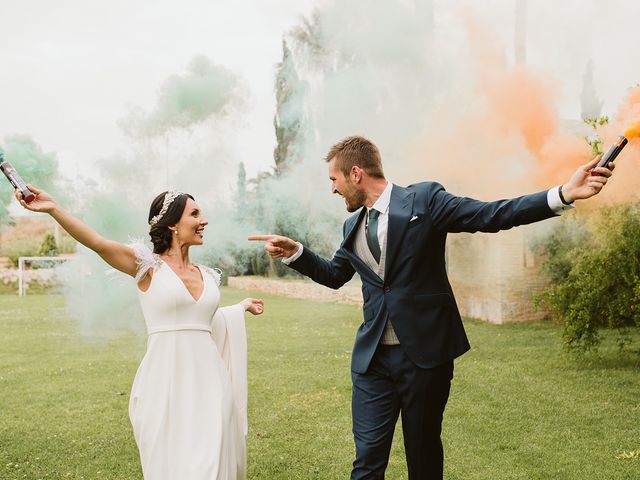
42, 203
253, 305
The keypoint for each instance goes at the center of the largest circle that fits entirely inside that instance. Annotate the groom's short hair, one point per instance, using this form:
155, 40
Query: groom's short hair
356, 150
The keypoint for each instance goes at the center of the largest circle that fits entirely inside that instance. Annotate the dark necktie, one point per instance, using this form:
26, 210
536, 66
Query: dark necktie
372, 234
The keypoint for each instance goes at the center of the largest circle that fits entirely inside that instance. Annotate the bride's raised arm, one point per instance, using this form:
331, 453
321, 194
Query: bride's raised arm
119, 256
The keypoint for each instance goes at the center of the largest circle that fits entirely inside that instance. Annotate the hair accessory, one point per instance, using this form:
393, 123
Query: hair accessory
168, 200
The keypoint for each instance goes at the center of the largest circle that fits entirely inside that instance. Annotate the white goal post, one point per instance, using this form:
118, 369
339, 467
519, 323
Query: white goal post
21, 263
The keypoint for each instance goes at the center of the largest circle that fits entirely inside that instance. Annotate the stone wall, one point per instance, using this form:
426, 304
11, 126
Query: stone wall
494, 276
351, 293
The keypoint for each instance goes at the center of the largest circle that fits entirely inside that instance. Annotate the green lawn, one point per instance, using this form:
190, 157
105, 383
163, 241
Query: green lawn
520, 408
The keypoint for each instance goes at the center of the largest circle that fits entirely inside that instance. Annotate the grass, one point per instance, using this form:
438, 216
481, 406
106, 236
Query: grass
519, 409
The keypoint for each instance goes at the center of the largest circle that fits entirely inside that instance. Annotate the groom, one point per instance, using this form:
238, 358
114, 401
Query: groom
403, 354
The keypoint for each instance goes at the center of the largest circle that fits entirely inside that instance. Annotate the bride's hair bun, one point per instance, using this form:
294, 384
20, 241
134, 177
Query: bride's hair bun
160, 233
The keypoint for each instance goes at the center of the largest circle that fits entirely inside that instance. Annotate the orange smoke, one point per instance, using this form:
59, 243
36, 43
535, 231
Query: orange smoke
633, 131
518, 99
627, 118
508, 139
623, 186
558, 159
504, 141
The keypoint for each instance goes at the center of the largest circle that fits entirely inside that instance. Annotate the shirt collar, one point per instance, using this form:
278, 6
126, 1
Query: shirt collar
382, 204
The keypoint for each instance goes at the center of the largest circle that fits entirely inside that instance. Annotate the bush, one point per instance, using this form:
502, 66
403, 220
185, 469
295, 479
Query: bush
37, 246
22, 248
49, 247
594, 268
287, 209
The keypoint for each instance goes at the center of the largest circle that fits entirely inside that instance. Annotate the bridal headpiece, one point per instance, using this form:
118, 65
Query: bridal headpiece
168, 200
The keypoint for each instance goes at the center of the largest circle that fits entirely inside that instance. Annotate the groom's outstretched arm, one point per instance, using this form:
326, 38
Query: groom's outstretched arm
459, 214
332, 273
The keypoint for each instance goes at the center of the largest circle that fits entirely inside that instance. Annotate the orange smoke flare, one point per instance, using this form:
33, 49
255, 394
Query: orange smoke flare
633, 131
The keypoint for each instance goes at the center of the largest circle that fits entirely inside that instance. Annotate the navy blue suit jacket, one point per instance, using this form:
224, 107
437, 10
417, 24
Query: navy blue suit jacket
416, 295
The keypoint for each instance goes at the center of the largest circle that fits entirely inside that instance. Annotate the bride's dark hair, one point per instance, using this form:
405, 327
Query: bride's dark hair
160, 233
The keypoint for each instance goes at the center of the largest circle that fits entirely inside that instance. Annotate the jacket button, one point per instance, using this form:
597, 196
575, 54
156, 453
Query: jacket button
387, 289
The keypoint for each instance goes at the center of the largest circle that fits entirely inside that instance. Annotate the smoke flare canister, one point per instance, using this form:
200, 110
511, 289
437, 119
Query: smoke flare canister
611, 154
15, 179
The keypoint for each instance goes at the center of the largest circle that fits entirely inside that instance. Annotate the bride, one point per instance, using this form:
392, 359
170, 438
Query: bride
189, 397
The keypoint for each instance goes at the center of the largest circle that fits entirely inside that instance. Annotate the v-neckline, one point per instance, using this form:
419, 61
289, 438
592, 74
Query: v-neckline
204, 283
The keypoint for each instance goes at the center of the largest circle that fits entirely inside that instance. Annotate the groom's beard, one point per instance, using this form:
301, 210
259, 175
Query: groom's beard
355, 200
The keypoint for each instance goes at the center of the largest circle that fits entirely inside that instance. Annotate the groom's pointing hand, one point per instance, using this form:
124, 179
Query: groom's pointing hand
277, 246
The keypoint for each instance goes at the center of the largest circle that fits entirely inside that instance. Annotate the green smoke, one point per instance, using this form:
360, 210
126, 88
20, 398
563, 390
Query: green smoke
203, 91
33, 164
172, 148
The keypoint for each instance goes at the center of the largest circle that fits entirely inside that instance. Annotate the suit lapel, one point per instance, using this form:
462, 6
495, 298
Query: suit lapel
352, 229
400, 209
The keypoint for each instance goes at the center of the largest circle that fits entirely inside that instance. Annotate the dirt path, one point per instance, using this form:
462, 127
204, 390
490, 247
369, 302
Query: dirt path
350, 293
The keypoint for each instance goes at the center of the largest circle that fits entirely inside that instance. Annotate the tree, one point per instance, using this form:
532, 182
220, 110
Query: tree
590, 103
49, 247
289, 119
241, 192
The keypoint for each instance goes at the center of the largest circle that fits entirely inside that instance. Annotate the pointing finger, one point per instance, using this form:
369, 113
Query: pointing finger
260, 238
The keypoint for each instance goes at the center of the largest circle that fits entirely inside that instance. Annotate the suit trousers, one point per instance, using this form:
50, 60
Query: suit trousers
393, 384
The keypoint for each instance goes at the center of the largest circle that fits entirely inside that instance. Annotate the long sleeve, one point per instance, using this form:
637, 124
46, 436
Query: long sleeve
461, 214
332, 273
229, 333
295, 256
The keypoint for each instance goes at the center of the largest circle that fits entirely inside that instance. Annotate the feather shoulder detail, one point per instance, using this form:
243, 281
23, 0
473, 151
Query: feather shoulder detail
216, 273
145, 258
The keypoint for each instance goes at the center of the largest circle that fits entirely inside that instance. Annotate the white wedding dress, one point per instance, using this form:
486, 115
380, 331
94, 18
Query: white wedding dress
188, 404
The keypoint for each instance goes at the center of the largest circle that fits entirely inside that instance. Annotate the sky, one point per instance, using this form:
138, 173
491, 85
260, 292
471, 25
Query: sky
71, 69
